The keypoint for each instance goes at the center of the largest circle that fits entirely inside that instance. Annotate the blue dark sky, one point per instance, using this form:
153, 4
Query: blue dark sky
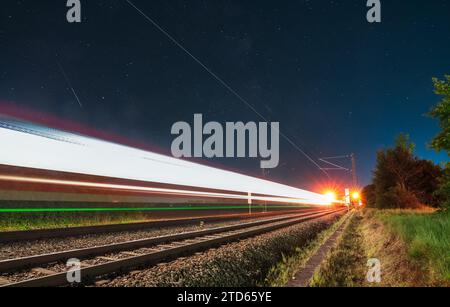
336, 83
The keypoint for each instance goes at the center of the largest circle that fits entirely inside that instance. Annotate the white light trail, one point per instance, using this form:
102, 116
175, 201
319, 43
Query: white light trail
32, 146
123, 187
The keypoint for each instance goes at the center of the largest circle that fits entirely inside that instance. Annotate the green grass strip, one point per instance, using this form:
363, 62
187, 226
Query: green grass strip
427, 237
33, 210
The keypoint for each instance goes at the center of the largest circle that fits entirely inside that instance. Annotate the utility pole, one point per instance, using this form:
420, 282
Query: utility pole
336, 167
331, 166
347, 199
355, 179
266, 172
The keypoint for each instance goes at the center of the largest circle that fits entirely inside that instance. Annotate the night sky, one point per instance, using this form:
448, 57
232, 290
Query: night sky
336, 83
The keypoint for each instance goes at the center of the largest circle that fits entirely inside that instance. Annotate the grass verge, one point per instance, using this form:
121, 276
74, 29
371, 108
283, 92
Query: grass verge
412, 246
427, 239
344, 265
280, 274
16, 222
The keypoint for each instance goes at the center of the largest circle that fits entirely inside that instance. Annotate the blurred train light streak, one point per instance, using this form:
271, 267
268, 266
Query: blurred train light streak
176, 192
38, 147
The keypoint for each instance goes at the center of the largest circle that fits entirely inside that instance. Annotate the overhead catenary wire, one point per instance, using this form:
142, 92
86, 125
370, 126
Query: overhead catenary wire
337, 167
336, 157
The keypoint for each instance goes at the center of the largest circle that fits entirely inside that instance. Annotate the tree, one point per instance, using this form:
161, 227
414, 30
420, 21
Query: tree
368, 195
441, 142
442, 112
427, 182
401, 180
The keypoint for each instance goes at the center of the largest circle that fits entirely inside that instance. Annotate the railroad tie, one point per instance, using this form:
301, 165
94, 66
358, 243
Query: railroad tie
178, 243
166, 246
43, 271
130, 254
100, 283
106, 258
190, 241
211, 237
4, 281
153, 250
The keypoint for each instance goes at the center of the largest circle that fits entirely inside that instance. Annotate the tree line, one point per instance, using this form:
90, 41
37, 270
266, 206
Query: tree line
403, 180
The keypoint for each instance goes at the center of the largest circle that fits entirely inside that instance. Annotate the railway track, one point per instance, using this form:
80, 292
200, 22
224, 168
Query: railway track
29, 235
50, 270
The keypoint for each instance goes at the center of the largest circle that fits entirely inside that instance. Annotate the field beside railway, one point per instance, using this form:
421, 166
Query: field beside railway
412, 247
